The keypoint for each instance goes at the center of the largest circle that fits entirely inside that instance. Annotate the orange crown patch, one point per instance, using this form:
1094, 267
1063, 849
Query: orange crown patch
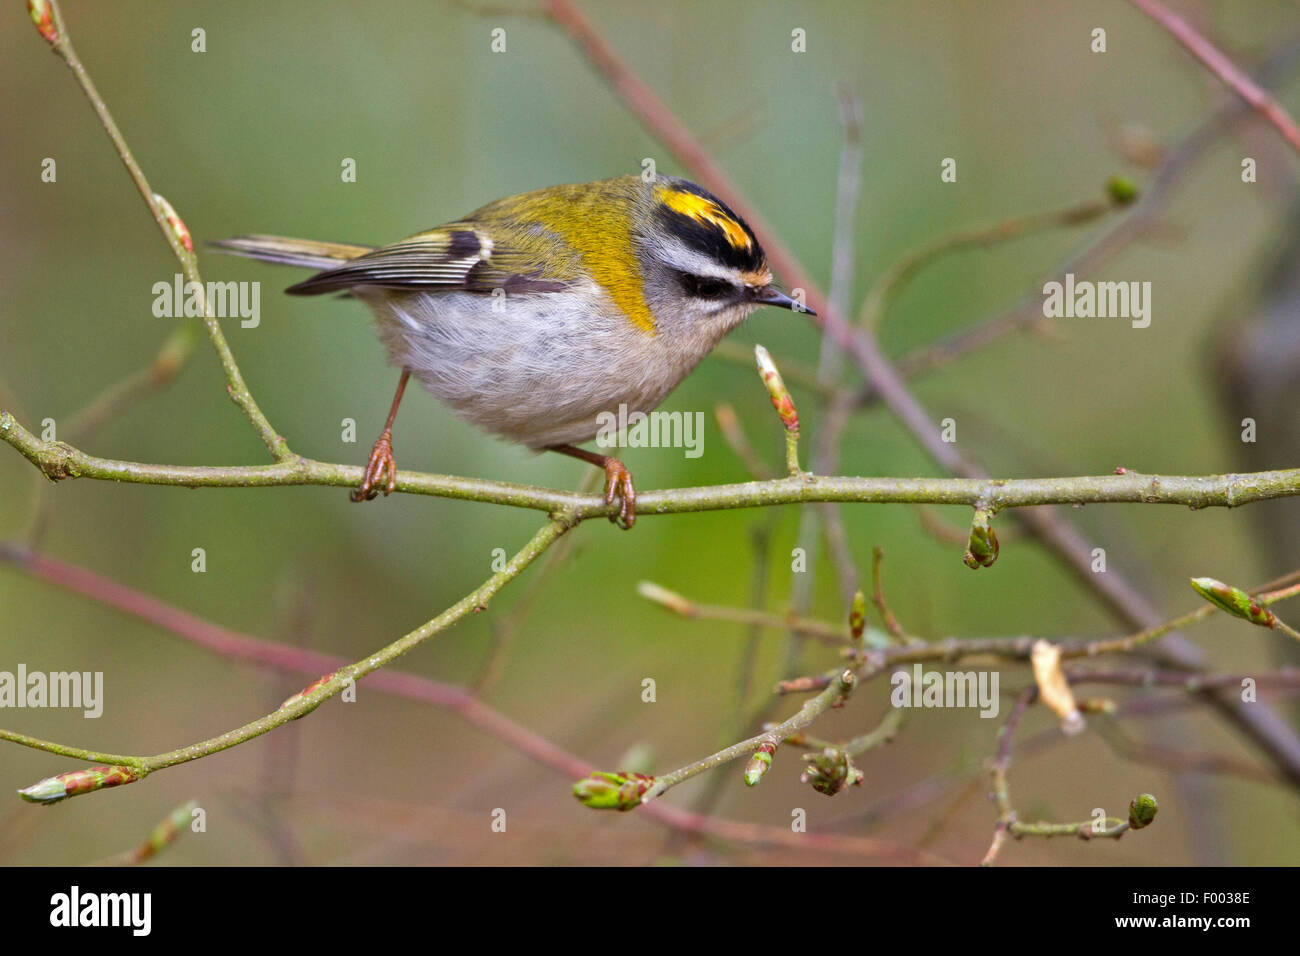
705, 210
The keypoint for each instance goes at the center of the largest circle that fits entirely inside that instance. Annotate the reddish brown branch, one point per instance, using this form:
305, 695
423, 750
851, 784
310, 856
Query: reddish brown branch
235, 646
1222, 67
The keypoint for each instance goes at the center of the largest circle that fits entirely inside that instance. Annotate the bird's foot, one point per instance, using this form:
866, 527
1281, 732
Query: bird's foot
618, 483
381, 470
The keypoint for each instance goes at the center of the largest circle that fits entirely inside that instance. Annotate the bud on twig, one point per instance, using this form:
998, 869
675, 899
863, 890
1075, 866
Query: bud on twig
1142, 811
666, 598
830, 771
1121, 190
612, 791
802, 685
165, 833
43, 17
858, 617
780, 395
1235, 601
175, 222
304, 693
760, 763
1053, 688
75, 782
982, 550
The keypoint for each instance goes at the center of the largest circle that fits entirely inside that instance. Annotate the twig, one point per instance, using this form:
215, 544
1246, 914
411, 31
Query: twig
1058, 536
836, 635
878, 599
904, 268
448, 697
1222, 67
176, 239
300, 704
58, 461
810, 711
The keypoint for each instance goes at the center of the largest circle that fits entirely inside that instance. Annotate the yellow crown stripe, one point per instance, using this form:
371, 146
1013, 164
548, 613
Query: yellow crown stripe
700, 209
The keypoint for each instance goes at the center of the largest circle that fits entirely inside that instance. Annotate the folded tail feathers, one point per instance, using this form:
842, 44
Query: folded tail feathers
307, 253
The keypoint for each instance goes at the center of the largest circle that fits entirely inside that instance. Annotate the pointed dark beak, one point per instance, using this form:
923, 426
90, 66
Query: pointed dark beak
771, 295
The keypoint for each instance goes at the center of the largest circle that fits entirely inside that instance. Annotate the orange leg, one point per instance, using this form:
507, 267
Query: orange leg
618, 482
382, 467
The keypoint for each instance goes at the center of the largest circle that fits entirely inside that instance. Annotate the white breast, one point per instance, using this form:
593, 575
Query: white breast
538, 369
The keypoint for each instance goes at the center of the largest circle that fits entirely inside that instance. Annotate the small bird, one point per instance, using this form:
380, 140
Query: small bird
536, 313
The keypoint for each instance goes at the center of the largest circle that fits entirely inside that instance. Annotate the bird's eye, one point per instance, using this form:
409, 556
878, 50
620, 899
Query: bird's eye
703, 287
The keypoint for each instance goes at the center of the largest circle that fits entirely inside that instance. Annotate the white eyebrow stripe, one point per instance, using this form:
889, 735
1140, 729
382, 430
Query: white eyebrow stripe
675, 254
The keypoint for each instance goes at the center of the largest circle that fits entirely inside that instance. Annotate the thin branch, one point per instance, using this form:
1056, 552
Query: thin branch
1060, 537
905, 267
312, 696
58, 461
811, 710
177, 238
458, 700
1222, 67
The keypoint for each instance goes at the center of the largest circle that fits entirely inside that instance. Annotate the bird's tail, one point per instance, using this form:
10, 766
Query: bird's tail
290, 252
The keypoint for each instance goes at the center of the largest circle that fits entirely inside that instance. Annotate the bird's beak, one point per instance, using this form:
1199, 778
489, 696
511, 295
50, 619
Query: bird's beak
771, 295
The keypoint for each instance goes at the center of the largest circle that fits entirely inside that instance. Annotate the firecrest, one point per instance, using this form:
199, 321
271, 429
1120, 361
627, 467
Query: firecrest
535, 314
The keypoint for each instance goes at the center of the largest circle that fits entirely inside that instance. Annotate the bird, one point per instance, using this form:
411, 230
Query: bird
535, 314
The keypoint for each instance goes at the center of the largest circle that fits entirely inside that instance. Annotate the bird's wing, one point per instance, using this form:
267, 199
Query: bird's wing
455, 256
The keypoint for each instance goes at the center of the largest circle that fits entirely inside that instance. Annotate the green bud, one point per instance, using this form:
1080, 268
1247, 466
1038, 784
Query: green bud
776, 389
982, 550
759, 764
612, 791
1142, 811
1121, 190
64, 785
1235, 601
858, 616
830, 771
305, 694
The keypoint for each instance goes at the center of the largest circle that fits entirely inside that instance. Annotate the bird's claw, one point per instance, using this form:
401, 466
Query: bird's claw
618, 483
381, 471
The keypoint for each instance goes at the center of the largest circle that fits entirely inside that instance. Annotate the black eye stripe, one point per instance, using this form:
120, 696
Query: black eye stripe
706, 287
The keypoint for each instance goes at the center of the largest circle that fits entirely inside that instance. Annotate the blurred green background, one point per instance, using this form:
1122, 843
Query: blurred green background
249, 136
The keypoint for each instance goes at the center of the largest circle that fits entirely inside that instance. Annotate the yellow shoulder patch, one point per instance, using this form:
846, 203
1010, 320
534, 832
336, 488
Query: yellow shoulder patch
701, 209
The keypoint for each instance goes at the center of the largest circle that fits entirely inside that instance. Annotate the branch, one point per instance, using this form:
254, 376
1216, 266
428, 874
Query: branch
1222, 67
129, 769
235, 646
173, 228
1057, 535
58, 461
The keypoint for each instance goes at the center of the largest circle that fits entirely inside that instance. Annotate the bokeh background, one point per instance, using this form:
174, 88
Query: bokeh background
249, 137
